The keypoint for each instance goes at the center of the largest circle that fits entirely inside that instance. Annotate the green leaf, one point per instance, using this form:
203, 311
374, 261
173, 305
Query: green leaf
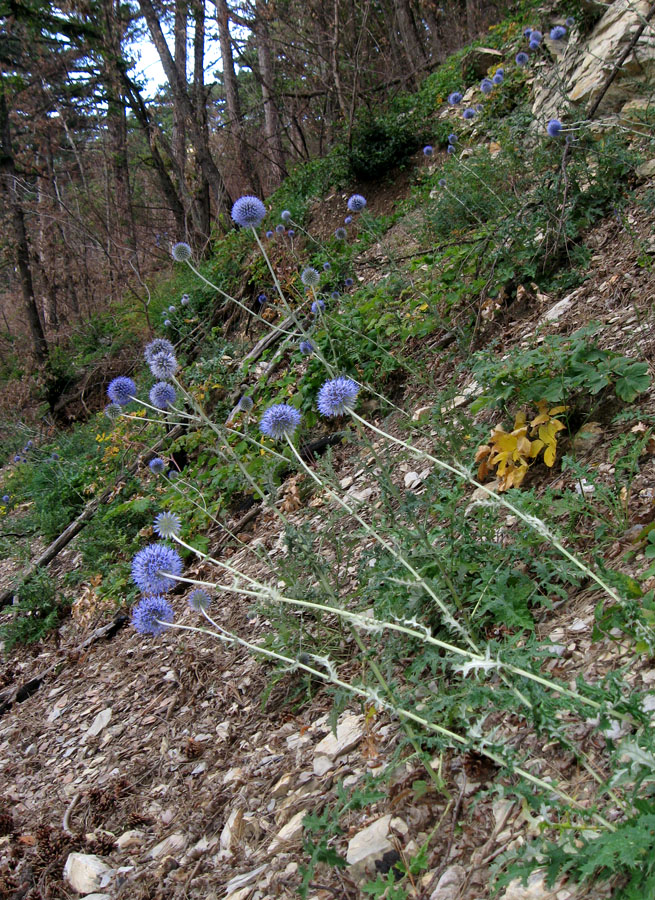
634, 380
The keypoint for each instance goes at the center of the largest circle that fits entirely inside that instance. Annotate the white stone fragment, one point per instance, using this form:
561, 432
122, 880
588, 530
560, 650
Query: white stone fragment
100, 722
350, 731
171, 845
369, 845
84, 871
449, 884
130, 839
291, 832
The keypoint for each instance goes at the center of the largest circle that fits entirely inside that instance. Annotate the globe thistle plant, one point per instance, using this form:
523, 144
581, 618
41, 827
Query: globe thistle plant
340, 234
306, 348
112, 411
318, 306
184, 300
455, 98
327, 266
570, 22
468, 114
181, 252
450, 148
245, 403
248, 211
162, 395
121, 390
522, 59
163, 365
199, 600
153, 566
262, 299
452, 138
349, 282
335, 295
171, 309
150, 615
310, 277
6, 498
498, 78
536, 36
557, 33
356, 203
285, 215
157, 465
534, 45
269, 234
347, 220
337, 396
554, 128
280, 421
279, 229
486, 85
167, 525
167, 323
428, 150
527, 32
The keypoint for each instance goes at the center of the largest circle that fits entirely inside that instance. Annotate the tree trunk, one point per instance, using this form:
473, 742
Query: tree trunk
272, 125
21, 247
412, 47
181, 96
179, 124
247, 173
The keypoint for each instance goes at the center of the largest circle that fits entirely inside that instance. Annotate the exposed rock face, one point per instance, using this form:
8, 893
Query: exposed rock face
582, 69
479, 60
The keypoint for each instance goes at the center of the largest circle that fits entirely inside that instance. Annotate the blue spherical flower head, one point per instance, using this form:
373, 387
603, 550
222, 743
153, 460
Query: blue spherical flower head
327, 266
280, 421
570, 22
248, 211
498, 78
527, 32
534, 45
171, 309
167, 323
337, 396
153, 566
269, 234
291, 233
6, 498
318, 306
181, 252
245, 403
554, 128
452, 138
349, 282
163, 365
536, 36
184, 299
454, 98
29, 445
468, 114
285, 215
167, 525
335, 295
450, 148
157, 465
486, 85
428, 150
279, 229
150, 615
199, 600
340, 234
522, 59
500, 71
306, 348
121, 390
17, 458
262, 299
310, 277
557, 33
162, 395
347, 220
356, 203
55, 456
442, 182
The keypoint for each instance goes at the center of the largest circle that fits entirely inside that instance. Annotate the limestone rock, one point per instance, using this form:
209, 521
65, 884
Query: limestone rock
449, 884
84, 871
479, 60
232, 830
535, 889
171, 845
646, 169
100, 722
130, 839
350, 731
291, 832
369, 845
